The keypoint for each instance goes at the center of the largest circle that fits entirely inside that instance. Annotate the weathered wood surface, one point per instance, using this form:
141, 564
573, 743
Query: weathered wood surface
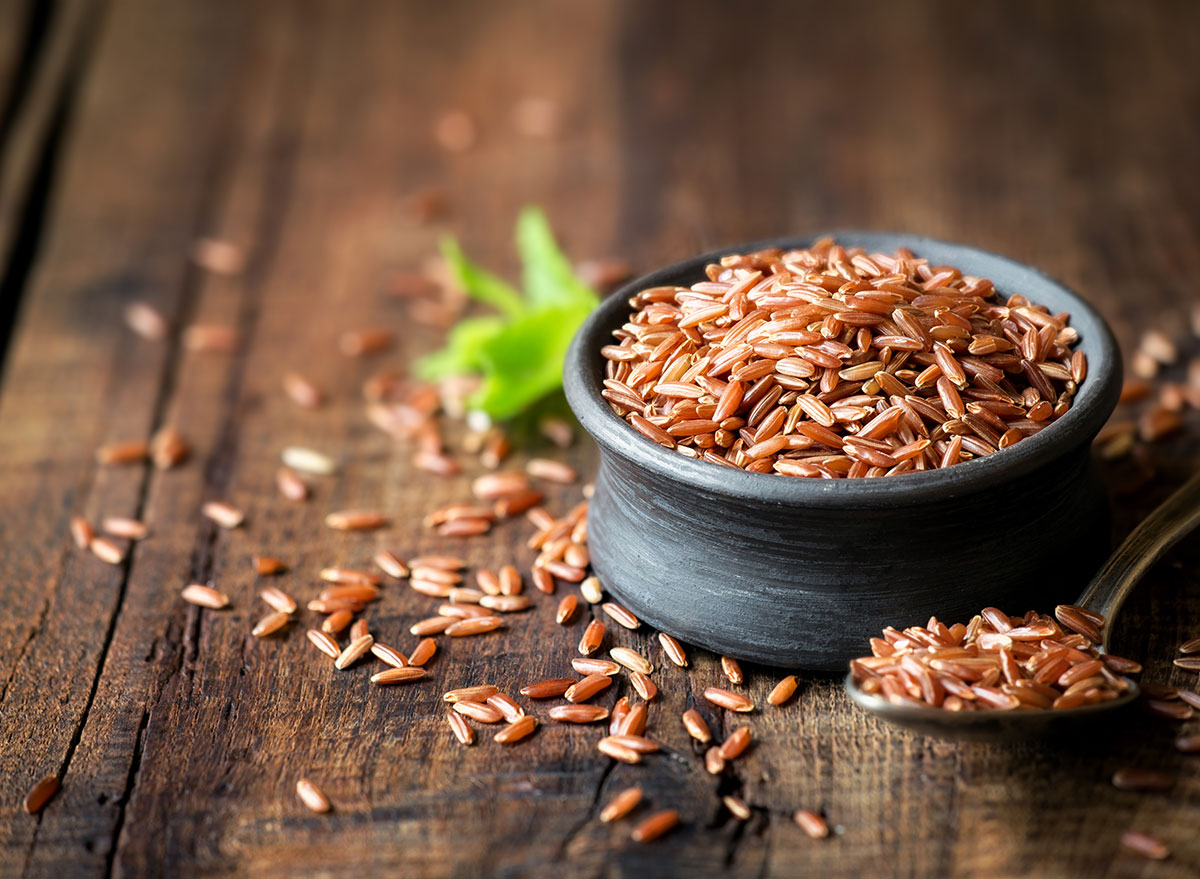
1061, 134
43, 50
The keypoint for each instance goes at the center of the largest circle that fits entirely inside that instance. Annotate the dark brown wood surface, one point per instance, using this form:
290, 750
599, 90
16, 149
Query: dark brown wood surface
1062, 134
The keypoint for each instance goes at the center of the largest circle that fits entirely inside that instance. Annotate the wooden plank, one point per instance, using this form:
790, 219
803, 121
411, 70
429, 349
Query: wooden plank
37, 104
267, 72
301, 132
138, 178
14, 24
333, 245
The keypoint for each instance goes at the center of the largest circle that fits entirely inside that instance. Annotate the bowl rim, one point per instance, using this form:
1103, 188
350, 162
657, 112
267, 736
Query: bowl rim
583, 374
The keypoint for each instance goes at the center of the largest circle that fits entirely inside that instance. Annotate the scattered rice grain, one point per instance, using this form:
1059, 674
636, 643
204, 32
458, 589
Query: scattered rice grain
308, 461
783, 691
621, 805
224, 514
205, 596
312, 797
107, 551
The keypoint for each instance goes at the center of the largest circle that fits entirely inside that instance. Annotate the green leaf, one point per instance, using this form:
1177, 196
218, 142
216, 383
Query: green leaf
549, 279
523, 362
461, 354
518, 353
479, 283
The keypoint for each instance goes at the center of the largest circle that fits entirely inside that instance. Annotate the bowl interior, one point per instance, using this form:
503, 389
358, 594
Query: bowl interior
584, 374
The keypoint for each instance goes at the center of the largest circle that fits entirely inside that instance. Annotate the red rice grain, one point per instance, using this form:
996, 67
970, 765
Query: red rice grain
783, 691
40, 794
620, 615
312, 797
714, 763
107, 551
477, 626
462, 731
617, 751
1132, 778
389, 655
270, 624
337, 621
1145, 845
621, 805
398, 675
673, 649
1189, 744
587, 665
732, 669
643, 685
506, 706
585, 689
727, 699
696, 726
593, 635
478, 693
324, 643
225, 515
81, 532
128, 529
632, 660
265, 565
479, 711
566, 609
355, 520
355, 650
132, 452
655, 825
205, 596
811, 823
737, 807
633, 723
551, 471
290, 485
735, 744
423, 652
278, 600
578, 713
517, 730
548, 689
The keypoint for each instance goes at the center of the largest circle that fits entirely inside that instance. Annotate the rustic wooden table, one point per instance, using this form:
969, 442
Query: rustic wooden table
1062, 134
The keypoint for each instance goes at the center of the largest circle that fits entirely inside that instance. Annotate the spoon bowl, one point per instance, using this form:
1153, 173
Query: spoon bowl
1170, 522
989, 726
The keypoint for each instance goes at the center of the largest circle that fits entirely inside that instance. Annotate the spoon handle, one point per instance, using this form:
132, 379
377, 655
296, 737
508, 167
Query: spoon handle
1158, 532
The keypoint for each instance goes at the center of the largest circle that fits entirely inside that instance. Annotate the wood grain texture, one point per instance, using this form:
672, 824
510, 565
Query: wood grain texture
1059, 134
42, 51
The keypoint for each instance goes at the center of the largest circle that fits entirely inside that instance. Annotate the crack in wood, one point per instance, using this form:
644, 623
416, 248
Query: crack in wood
23, 256
586, 819
122, 801
30, 220
38, 20
33, 633
767, 838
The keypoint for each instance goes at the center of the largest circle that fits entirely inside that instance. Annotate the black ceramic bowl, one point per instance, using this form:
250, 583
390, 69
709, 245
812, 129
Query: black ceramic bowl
801, 572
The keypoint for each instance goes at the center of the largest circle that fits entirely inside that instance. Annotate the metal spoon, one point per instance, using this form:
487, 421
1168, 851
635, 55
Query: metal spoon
1158, 532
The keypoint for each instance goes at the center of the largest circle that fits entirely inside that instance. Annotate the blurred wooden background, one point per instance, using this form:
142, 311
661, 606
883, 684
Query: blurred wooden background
1062, 134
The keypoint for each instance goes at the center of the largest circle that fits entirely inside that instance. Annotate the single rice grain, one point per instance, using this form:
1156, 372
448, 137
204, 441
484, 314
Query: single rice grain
40, 794
656, 825
621, 805
312, 796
